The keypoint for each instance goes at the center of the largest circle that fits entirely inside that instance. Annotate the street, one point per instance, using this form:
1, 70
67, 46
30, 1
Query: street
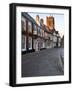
46, 62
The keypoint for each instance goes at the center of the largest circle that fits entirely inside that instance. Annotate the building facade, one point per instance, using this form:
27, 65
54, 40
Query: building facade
35, 35
56, 39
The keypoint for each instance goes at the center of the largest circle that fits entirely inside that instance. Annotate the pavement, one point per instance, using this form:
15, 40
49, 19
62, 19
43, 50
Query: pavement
43, 63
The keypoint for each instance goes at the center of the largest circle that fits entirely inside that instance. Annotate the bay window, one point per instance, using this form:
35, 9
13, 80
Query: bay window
38, 31
46, 35
35, 29
42, 33
30, 42
23, 24
23, 42
29, 26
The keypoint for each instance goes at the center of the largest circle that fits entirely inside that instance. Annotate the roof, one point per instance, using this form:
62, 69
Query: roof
46, 29
25, 14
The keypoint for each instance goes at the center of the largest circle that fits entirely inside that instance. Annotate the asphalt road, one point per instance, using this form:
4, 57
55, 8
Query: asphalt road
43, 63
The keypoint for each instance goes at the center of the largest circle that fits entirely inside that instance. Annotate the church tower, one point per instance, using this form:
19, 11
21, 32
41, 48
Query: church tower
50, 22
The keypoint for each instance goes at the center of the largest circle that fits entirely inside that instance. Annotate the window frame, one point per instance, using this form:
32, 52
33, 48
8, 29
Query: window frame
28, 43
29, 23
23, 19
25, 43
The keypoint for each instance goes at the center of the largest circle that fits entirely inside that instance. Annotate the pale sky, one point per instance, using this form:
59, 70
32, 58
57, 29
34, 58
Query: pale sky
59, 20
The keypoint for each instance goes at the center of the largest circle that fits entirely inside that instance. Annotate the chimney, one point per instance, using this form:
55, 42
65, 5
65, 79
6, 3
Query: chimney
41, 22
37, 19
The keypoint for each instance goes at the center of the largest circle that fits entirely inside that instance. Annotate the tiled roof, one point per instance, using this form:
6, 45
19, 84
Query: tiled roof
45, 28
25, 14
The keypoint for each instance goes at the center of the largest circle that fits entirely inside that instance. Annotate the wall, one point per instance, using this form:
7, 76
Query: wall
4, 45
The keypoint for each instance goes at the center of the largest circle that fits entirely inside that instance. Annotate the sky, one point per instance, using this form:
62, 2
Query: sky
59, 20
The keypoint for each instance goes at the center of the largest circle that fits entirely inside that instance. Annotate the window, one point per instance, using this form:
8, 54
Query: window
42, 43
35, 29
59, 39
38, 31
23, 24
46, 35
30, 42
54, 39
29, 26
51, 37
23, 43
41, 32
